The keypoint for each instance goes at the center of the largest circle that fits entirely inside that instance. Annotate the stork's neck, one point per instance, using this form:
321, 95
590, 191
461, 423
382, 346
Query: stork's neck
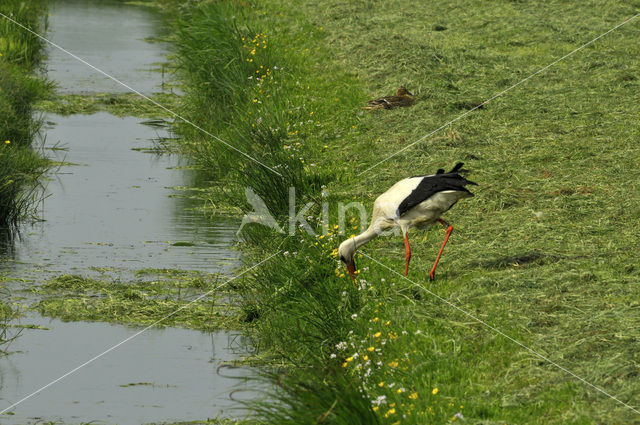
365, 237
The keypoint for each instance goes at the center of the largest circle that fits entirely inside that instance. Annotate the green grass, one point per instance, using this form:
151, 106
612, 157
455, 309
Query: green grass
120, 105
21, 167
546, 251
18, 46
141, 302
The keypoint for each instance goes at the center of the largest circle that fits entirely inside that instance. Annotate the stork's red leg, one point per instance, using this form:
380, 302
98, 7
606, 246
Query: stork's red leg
432, 274
407, 253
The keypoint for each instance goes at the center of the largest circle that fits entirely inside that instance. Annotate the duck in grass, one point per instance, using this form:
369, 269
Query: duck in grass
401, 98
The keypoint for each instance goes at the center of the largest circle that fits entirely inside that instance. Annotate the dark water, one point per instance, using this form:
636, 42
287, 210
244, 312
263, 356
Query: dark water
120, 209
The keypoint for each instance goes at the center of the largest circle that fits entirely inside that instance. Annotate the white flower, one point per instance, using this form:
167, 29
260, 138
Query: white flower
341, 345
381, 399
459, 415
418, 332
286, 253
333, 356
354, 316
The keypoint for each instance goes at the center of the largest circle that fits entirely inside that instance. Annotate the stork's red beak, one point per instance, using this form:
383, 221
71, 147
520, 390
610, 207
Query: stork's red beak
352, 271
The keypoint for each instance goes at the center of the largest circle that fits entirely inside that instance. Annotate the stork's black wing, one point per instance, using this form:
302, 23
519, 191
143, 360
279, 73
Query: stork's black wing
430, 185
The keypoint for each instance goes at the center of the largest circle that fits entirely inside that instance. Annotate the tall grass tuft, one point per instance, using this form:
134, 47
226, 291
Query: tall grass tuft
18, 46
21, 167
248, 83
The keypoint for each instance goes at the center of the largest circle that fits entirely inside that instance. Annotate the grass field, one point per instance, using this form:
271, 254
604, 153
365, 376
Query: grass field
546, 252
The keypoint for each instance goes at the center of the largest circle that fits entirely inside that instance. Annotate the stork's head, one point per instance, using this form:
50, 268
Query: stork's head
402, 91
346, 251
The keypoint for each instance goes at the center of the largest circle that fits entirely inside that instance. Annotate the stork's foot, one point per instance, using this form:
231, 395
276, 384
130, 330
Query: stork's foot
432, 275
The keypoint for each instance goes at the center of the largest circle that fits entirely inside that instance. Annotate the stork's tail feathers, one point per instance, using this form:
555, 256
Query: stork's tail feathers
457, 169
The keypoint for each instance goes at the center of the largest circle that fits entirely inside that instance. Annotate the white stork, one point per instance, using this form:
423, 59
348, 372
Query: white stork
412, 202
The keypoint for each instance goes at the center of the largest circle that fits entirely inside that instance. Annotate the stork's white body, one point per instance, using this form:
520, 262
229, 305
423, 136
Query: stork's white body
385, 208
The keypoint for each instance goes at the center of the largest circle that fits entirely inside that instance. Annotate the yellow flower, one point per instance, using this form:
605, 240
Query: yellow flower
377, 334
344, 364
381, 384
375, 319
400, 390
350, 359
387, 323
365, 358
391, 411
370, 349
434, 391
413, 396
6, 142
375, 408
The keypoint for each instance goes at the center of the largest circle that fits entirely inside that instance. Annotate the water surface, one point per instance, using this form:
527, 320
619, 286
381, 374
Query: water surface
117, 208
160, 376
110, 35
